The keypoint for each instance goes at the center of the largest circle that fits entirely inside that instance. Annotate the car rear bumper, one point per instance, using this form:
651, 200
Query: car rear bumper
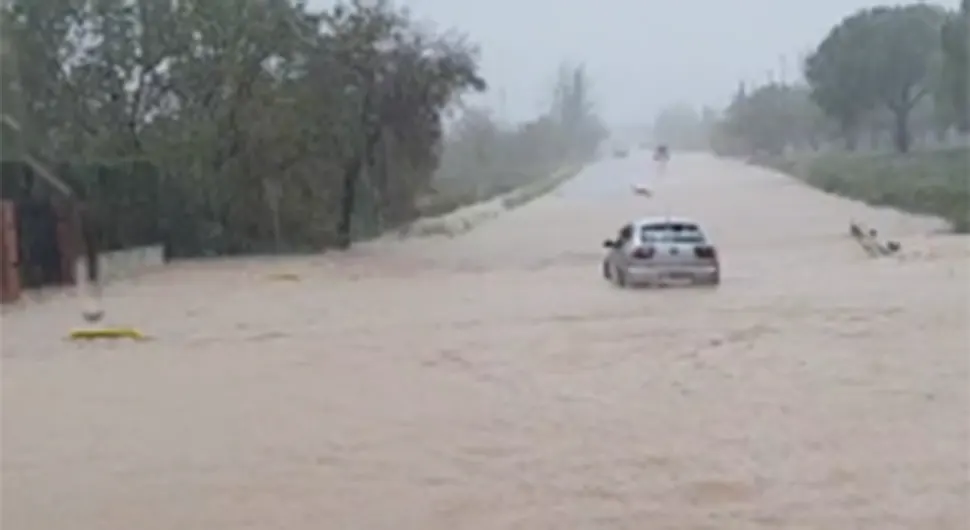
654, 274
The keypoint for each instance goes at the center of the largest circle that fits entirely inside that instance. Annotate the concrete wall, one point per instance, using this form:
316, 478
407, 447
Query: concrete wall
127, 263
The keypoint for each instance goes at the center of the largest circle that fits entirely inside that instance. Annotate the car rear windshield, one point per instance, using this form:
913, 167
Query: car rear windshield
672, 233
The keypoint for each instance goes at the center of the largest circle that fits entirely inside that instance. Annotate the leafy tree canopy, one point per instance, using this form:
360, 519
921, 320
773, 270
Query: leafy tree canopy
882, 57
276, 124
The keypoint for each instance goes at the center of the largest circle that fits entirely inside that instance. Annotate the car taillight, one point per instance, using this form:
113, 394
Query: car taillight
705, 252
643, 253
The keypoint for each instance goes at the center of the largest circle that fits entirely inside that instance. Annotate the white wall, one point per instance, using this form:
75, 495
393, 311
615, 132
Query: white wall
121, 264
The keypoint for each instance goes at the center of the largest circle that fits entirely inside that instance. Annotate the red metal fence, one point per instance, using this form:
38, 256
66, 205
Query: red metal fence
69, 248
9, 254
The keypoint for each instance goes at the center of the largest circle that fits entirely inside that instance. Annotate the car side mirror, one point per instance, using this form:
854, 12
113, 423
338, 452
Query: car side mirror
609, 243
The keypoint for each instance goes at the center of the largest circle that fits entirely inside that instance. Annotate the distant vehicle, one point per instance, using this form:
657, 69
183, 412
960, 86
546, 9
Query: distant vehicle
654, 250
642, 189
661, 155
620, 152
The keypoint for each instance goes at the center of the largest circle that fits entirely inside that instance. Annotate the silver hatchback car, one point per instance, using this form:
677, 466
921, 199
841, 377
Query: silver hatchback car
657, 249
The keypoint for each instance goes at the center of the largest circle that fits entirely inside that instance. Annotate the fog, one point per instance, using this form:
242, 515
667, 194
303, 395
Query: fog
642, 54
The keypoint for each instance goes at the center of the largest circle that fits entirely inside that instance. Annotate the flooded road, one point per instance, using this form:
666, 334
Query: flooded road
495, 381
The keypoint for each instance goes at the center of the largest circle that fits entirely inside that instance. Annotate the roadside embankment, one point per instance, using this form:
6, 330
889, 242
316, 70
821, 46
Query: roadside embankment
462, 220
930, 183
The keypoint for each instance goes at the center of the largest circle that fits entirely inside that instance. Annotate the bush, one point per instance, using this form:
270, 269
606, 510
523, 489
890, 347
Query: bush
931, 182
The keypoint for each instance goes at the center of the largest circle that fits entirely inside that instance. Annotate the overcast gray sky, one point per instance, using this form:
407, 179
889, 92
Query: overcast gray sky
642, 54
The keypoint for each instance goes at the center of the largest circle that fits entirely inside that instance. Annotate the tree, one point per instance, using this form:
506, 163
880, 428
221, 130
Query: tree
768, 119
907, 41
574, 112
390, 100
954, 96
837, 75
879, 57
680, 126
276, 126
271, 126
483, 158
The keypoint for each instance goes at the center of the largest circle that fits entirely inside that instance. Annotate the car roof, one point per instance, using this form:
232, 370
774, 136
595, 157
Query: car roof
643, 221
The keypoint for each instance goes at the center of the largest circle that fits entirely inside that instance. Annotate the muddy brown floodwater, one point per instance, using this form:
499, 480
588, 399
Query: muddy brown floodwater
494, 381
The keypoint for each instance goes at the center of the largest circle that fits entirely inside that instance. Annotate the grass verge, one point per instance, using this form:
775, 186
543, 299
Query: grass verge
530, 192
457, 221
931, 182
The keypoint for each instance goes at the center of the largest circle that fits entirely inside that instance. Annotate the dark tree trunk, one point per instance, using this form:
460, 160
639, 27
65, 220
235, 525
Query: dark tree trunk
901, 136
90, 240
347, 201
850, 134
364, 158
851, 142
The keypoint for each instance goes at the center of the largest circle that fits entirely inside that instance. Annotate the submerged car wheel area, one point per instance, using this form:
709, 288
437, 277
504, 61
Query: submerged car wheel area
659, 251
613, 274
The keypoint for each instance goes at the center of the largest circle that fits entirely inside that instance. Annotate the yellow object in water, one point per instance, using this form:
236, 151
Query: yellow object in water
106, 333
285, 277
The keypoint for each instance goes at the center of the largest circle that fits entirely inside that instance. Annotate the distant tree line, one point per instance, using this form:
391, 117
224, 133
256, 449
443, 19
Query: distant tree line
275, 126
882, 76
681, 126
483, 156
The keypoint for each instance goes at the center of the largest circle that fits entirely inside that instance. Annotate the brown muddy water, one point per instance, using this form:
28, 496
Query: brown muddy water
494, 381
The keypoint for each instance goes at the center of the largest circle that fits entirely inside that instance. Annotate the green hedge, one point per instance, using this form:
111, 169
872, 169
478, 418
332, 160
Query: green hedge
931, 182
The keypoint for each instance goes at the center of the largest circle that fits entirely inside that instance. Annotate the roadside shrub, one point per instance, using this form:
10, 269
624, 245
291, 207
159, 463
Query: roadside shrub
929, 182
